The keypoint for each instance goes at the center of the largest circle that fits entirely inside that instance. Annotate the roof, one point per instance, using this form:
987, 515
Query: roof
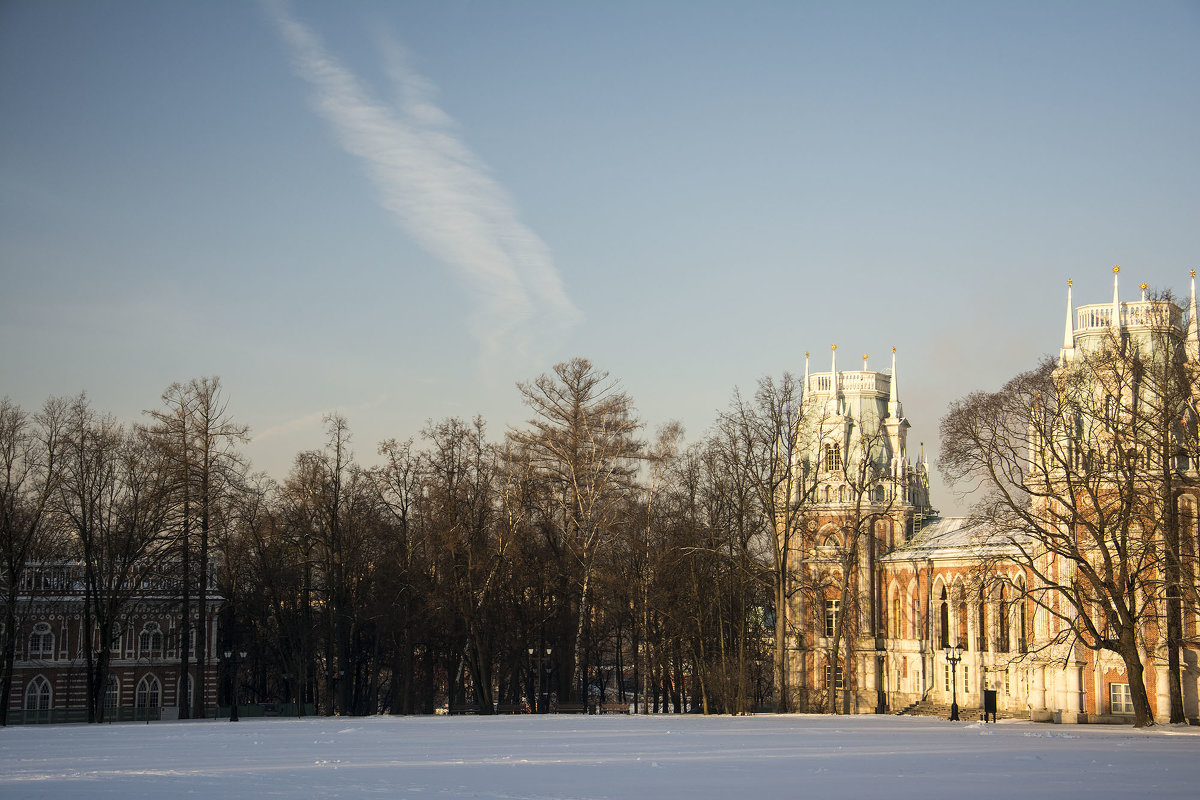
952, 537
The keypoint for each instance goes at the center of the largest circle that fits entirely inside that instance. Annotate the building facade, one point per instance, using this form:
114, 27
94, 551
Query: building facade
50, 670
886, 592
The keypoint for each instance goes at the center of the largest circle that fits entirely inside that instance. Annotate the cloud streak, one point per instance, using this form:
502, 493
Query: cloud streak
441, 193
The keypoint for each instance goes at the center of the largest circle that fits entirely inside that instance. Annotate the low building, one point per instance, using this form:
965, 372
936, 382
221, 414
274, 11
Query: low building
50, 670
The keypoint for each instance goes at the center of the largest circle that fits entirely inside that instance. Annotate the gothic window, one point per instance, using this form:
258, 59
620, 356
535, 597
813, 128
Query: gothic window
150, 641
825, 494
915, 618
41, 642
148, 692
962, 625
944, 629
1022, 613
833, 456
896, 621
832, 607
1002, 613
115, 644
112, 693
37, 695
841, 494
983, 637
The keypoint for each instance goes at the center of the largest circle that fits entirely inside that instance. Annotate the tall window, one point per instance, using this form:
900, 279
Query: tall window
832, 607
1002, 612
833, 456
37, 695
944, 628
962, 625
896, 624
982, 627
833, 678
148, 692
915, 618
112, 693
41, 642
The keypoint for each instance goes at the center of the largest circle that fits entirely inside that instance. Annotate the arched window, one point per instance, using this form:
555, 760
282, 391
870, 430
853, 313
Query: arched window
944, 629
1023, 612
897, 631
37, 695
962, 625
150, 641
842, 493
833, 456
41, 642
1002, 614
825, 493
112, 693
115, 644
914, 619
148, 692
983, 637
185, 697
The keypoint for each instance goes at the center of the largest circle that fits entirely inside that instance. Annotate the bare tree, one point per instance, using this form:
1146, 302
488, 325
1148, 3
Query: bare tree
29, 477
766, 436
582, 443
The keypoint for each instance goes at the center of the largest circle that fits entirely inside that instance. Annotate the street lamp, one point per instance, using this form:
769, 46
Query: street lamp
241, 656
953, 656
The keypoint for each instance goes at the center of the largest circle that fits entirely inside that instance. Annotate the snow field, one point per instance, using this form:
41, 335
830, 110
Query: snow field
590, 758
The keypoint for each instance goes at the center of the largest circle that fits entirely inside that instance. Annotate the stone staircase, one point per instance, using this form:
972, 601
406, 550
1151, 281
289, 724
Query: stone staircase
931, 708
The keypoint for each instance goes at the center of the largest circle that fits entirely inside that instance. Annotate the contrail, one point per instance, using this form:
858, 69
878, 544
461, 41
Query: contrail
441, 193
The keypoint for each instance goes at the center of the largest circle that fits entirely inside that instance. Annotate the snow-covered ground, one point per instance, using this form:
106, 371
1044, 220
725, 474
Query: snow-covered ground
750, 758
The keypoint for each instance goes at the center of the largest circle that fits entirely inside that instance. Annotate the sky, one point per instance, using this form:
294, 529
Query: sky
398, 210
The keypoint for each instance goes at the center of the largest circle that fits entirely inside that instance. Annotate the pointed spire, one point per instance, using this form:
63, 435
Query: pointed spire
833, 376
1115, 322
894, 408
806, 372
1068, 347
865, 367
1193, 328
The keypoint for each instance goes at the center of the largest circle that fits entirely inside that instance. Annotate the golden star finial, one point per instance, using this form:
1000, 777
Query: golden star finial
806, 354
1116, 269
1070, 282
893, 349
1143, 287
1193, 273
833, 347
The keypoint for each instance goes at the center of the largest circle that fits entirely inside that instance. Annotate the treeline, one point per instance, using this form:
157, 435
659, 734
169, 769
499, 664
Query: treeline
572, 560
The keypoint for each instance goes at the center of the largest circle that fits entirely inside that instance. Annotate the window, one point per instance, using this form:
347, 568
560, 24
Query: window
834, 678
1002, 611
1007, 682
896, 624
115, 644
833, 457
982, 627
966, 679
37, 695
112, 693
879, 494
915, 619
1118, 694
150, 641
148, 692
842, 493
831, 616
944, 631
962, 626
946, 669
41, 642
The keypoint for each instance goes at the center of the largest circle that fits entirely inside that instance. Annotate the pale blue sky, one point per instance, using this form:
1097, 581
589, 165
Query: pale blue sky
399, 209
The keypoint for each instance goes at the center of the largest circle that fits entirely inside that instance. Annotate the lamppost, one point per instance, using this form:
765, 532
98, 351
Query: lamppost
237, 662
539, 677
953, 656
